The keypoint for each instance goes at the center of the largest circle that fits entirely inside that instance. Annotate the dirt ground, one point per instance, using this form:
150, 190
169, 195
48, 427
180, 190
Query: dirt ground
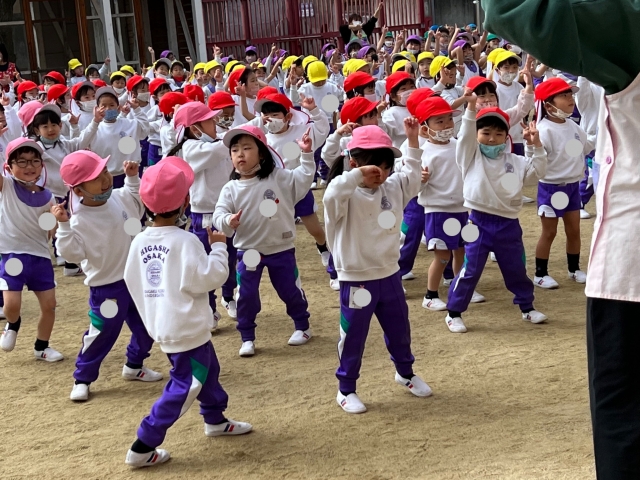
510, 398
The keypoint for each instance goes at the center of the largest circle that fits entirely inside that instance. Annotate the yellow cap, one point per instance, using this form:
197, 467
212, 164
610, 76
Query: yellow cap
128, 69
439, 62
317, 72
256, 65
409, 56
211, 65
116, 75
494, 53
425, 56
399, 65
74, 63
286, 65
230, 65
502, 56
197, 66
308, 59
353, 65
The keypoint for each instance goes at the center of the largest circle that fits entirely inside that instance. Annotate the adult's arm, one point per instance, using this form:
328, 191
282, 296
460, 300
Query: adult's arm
370, 26
561, 34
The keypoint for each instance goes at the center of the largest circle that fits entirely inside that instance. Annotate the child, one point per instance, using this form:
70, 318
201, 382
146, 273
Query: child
414, 45
24, 243
250, 54
424, 65
169, 274
157, 88
471, 57
168, 106
210, 161
480, 154
113, 128
27, 92
508, 89
80, 239
354, 202
360, 84
214, 71
399, 87
84, 97
162, 69
254, 180
194, 93
138, 88
246, 78
76, 72
177, 74
224, 103
128, 70
96, 72
60, 95
443, 69
53, 78
563, 174
118, 81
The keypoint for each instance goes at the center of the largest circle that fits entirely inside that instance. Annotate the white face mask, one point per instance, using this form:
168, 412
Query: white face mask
486, 105
440, 135
357, 23
507, 77
66, 105
388, 43
144, 96
120, 91
413, 51
372, 97
404, 96
557, 113
29, 98
276, 125
88, 106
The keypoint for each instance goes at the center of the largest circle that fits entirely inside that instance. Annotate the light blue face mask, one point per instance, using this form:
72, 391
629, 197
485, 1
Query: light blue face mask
111, 115
49, 142
100, 197
205, 138
492, 151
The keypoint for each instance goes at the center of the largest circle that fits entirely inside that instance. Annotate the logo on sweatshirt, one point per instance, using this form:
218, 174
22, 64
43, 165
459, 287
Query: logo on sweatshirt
123, 134
385, 204
154, 273
125, 216
270, 195
577, 137
509, 168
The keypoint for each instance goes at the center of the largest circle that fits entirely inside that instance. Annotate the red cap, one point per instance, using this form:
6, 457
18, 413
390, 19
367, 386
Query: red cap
372, 137
194, 93
395, 79
266, 91
56, 91
155, 84
255, 132
57, 77
275, 98
355, 108
432, 107
81, 166
135, 80
76, 88
14, 145
26, 86
494, 112
552, 87
475, 82
357, 79
234, 79
220, 100
165, 185
170, 100
418, 96
99, 83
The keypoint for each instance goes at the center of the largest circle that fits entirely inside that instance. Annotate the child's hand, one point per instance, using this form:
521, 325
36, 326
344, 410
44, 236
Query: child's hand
60, 212
531, 134
175, 109
216, 237
134, 103
3, 131
151, 50
307, 102
218, 76
131, 168
216, 51
241, 90
412, 129
426, 174
472, 99
305, 142
280, 61
234, 220
187, 59
335, 68
125, 110
274, 49
73, 120
107, 61
98, 114
6, 101
346, 129
447, 76
382, 106
371, 176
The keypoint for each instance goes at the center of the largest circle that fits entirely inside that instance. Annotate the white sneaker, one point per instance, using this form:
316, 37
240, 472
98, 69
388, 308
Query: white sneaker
217, 316
60, 261
579, 276
8, 340
545, 282
247, 349
534, 317
314, 186
72, 272
456, 325
232, 308
434, 304
350, 403
447, 282
300, 337
230, 427
2, 317
80, 392
408, 276
325, 258
334, 284
584, 215
493, 257
477, 298
139, 460
48, 355
416, 385
143, 374
527, 199
323, 183
404, 290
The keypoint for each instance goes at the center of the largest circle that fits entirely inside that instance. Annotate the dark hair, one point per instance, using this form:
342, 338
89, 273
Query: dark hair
491, 122
1, 109
485, 88
90, 70
108, 95
355, 16
162, 88
395, 89
380, 157
139, 84
152, 216
360, 90
188, 135
353, 47
237, 65
244, 76
444, 30
4, 52
83, 91
267, 164
273, 107
20, 150
42, 118
508, 61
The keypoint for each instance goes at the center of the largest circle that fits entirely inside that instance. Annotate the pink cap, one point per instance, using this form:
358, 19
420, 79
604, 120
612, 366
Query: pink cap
29, 110
165, 185
255, 132
370, 137
81, 166
14, 145
192, 113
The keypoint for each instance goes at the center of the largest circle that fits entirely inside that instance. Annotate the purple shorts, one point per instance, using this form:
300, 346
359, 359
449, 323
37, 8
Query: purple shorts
434, 232
306, 206
546, 191
36, 274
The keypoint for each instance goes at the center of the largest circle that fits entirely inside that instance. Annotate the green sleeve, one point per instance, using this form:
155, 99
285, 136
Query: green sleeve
596, 39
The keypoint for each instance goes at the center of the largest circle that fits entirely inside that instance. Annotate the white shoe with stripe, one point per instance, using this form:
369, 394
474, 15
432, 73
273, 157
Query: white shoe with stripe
300, 337
230, 427
350, 403
140, 460
143, 374
416, 385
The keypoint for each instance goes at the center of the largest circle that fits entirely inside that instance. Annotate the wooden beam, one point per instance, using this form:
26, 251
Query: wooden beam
185, 30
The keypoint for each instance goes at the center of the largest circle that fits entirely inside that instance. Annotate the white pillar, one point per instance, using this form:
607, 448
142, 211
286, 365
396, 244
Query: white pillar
108, 33
201, 41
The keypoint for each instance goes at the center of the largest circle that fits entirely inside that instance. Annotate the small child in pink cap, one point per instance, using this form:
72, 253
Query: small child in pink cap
169, 275
82, 239
24, 245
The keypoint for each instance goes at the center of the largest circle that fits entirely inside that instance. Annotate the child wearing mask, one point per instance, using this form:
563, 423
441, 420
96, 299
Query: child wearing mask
414, 45
508, 88
250, 54
444, 70
399, 87
425, 80
84, 97
118, 82
223, 102
138, 88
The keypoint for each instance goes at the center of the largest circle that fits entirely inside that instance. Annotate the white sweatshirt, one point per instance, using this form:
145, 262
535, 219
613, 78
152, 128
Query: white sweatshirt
561, 167
483, 190
14, 130
211, 163
168, 138
318, 93
169, 276
394, 117
334, 148
84, 119
508, 97
109, 134
451, 95
83, 240
588, 100
422, 82
524, 105
266, 235
156, 120
362, 250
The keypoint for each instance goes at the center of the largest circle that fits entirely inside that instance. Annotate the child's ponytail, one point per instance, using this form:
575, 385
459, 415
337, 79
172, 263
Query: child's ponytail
177, 148
337, 168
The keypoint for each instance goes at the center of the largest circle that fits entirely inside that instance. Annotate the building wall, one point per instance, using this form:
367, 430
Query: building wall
451, 12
